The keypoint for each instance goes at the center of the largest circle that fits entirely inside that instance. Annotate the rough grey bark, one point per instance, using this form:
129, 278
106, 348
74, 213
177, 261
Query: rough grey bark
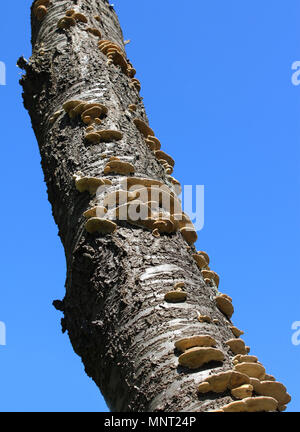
114, 308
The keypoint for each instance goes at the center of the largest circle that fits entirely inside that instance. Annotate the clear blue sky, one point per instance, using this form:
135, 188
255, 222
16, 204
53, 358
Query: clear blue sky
216, 78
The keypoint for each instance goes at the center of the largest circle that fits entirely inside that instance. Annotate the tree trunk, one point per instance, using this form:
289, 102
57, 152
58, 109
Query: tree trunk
114, 308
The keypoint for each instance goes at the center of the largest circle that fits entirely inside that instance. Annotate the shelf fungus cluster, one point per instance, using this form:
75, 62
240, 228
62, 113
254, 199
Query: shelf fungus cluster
154, 145
70, 19
142, 202
90, 112
116, 56
40, 9
248, 383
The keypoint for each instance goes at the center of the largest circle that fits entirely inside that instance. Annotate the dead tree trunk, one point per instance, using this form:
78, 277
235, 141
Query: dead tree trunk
115, 310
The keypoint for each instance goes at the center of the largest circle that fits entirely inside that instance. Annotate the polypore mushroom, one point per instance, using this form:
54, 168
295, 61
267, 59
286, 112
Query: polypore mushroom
165, 225
97, 211
143, 127
90, 184
209, 274
162, 156
118, 197
268, 377
242, 392
196, 357
94, 31
253, 370
223, 381
101, 226
224, 303
130, 182
106, 45
71, 104
240, 358
153, 143
40, 9
41, 12
132, 107
204, 319
80, 17
237, 333
272, 389
66, 22
195, 341
237, 346
131, 72
176, 296
200, 261
136, 83
189, 235
119, 167
94, 111
118, 59
104, 136
252, 404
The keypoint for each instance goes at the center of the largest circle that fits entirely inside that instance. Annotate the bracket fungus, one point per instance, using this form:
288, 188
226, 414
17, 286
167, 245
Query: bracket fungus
196, 357
71, 18
80, 17
94, 31
136, 84
116, 55
40, 9
272, 389
143, 128
236, 332
97, 211
101, 226
90, 112
153, 143
242, 392
189, 235
66, 22
253, 370
209, 274
195, 341
223, 381
240, 358
106, 136
176, 296
237, 346
252, 404
224, 303
130, 182
204, 319
164, 157
90, 184
200, 261
132, 107
119, 167
119, 197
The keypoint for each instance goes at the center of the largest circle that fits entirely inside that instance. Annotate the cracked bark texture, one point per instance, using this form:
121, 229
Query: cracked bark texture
114, 308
